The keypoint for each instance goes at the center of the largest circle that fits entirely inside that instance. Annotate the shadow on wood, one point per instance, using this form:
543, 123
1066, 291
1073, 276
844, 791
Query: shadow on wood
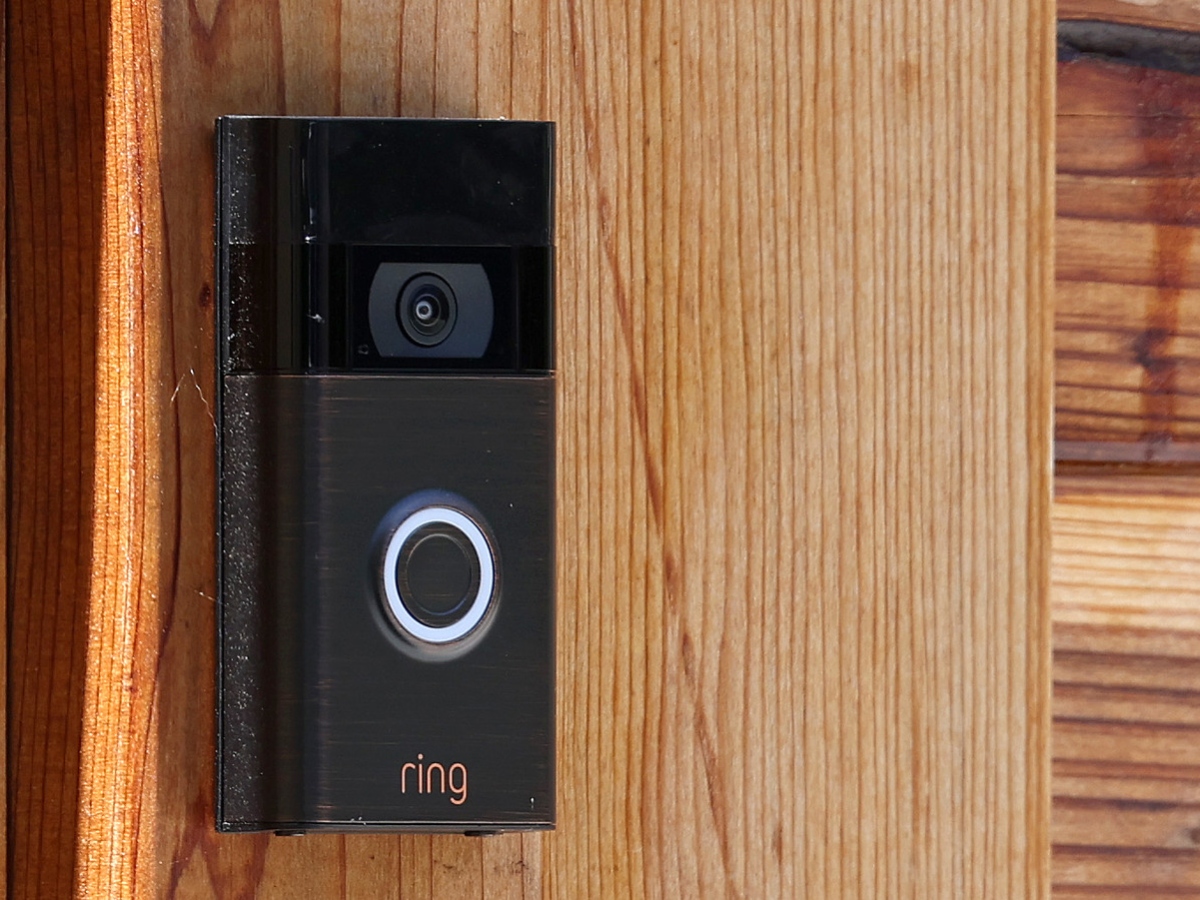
55, 134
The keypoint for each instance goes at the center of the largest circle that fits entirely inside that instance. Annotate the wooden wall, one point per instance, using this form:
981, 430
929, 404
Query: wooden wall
804, 338
1126, 772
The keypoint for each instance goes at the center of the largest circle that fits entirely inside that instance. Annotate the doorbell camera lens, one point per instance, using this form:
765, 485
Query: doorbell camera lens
430, 310
427, 310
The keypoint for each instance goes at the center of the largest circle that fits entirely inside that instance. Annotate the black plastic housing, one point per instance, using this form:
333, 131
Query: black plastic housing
325, 425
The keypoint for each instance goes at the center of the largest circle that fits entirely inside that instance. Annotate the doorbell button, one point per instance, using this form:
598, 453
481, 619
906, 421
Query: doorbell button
439, 575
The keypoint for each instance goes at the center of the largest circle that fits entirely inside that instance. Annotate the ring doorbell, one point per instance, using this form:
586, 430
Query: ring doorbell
385, 475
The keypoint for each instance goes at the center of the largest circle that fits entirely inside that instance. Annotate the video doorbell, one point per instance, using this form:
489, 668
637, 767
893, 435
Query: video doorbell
385, 472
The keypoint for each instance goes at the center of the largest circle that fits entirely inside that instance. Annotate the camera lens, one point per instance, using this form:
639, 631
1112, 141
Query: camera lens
427, 310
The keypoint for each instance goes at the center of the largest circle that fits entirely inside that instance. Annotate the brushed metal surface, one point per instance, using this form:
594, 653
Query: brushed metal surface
321, 708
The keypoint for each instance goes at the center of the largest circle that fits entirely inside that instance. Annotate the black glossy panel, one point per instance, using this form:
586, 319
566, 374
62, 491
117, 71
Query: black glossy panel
431, 182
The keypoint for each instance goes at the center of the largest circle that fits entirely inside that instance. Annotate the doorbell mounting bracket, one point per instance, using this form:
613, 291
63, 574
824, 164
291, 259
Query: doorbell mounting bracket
385, 468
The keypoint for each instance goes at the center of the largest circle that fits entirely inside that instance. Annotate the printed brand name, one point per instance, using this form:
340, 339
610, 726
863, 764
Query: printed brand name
435, 778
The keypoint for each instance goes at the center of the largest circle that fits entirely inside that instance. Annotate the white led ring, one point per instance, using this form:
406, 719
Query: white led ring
439, 515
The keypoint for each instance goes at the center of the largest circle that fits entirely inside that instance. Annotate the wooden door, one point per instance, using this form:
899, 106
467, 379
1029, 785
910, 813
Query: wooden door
804, 451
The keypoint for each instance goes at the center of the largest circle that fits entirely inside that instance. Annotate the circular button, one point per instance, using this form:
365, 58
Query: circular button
439, 574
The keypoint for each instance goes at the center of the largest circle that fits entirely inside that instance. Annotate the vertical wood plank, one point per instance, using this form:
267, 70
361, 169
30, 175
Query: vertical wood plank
350, 58
55, 148
804, 267
804, 440
118, 764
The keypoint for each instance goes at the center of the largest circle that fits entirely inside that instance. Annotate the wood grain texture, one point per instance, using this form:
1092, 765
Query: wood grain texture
1127, 319
1126, 776
117, 758
1127, 552
55, 142
783, 552
1175, 14
804, 337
